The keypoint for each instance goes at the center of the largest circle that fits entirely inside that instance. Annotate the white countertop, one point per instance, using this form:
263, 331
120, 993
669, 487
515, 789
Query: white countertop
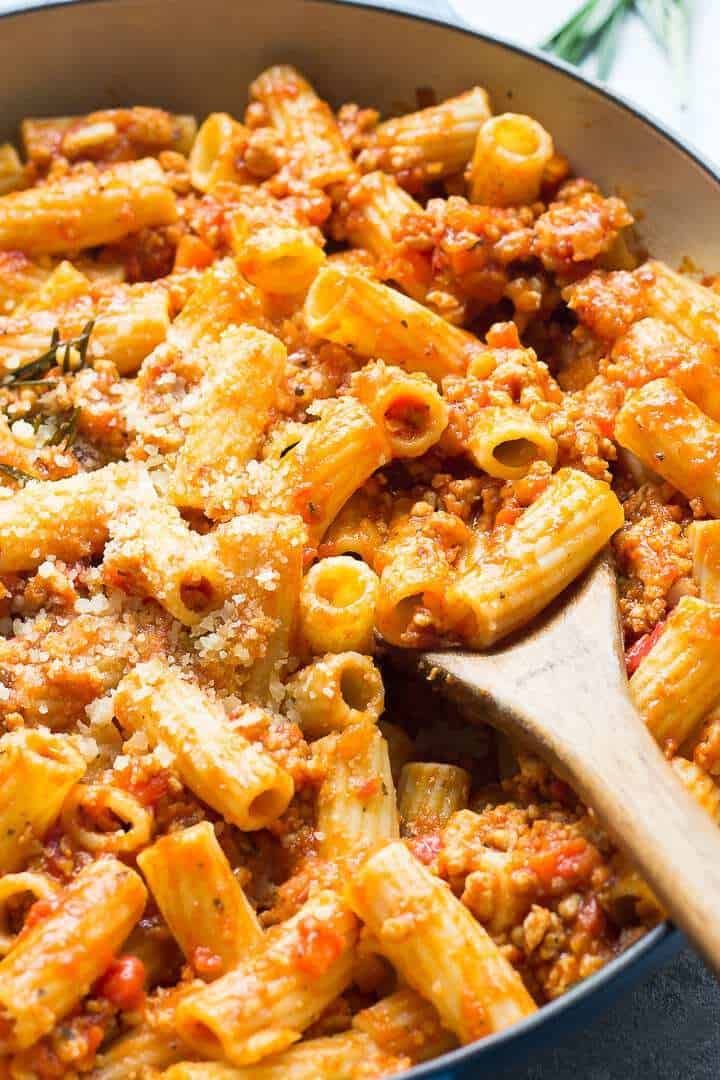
641, 71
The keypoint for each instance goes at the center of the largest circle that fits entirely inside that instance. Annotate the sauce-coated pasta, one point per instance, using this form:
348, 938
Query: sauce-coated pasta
277, 393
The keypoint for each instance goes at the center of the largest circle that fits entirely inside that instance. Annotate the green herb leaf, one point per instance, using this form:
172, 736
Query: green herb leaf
66, 431
16, 474
595, 29
36, 369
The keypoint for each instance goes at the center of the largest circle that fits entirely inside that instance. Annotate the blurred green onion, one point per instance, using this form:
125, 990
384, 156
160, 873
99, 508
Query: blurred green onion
594, 30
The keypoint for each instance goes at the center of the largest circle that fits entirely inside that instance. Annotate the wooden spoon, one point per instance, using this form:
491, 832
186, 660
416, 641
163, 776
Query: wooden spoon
561, 688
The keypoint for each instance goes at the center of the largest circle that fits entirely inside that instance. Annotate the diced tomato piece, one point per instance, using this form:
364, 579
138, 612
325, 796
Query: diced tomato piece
193, 254
318, 946
508, 515
149, 791
637, 652
123, 983
206, 962
572, 861
503, 336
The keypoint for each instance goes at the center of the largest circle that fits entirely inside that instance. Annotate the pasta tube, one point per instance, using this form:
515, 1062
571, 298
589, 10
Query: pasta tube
153, 552
141, 1048
107, 134
701, 786
83, 210
692, 309
217, 146
226, 417
126, 325
670, 434
20, 277
401, 747
89, 805
302, 965
237, 779
15, 887
333, 458
417, 567
408, 406
200, 899
377, 321
12, 174
306, 124
65, 518
705, 546
281, 259
652, 349
505, 441
551, 543
334, 692
433, 142
335, 1057
378, 206
436, 945
679, 679
56, 962
37, 770
222, 297
429, 794
356, 802
260, 558
509, 159
337, 605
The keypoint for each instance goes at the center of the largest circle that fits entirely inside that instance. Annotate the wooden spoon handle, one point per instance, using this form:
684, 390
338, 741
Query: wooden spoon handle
670, 838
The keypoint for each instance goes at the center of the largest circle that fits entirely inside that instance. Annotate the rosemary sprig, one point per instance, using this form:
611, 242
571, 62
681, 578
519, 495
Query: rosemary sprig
59, 354
591, 27
66, 431
595, 28
16, 474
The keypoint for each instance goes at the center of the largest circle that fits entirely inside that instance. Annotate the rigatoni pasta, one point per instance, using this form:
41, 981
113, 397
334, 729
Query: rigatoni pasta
509, 159
375, 320
678, 681
356, 809
335, 691
92, 918
436, 141
559, 535
437, 946
213, 923
671, 435
299, 974
220, 765
37, 770
306, 125
87, 209
337, 605
261, 427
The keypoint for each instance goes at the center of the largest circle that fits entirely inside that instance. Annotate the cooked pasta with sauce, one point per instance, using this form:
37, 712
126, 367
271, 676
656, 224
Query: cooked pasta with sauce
280, 391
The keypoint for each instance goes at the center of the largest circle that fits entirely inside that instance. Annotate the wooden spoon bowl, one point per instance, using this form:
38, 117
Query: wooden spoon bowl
561, 688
